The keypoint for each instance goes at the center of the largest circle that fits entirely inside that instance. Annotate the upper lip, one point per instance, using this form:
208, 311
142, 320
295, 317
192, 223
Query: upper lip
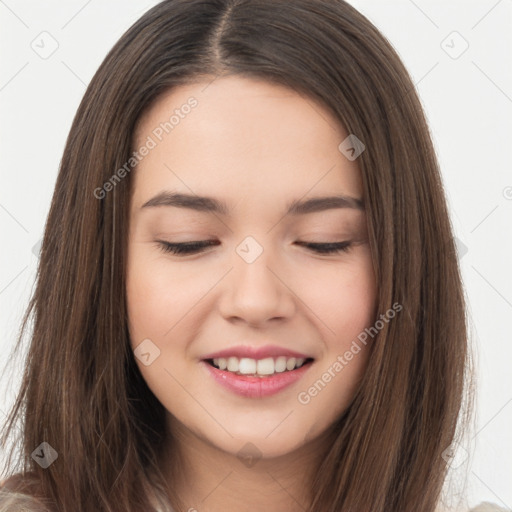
255, 352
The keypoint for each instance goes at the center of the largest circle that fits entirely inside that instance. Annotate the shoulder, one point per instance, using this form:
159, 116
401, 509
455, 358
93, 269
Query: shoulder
483, 507
15, 495
488, 507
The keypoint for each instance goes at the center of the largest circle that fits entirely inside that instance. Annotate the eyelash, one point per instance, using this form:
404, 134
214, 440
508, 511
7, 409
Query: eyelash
187, 248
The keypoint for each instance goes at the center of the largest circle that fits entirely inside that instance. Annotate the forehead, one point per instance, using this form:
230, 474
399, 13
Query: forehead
241, 137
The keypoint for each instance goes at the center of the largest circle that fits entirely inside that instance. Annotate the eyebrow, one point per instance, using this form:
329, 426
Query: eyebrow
211, 205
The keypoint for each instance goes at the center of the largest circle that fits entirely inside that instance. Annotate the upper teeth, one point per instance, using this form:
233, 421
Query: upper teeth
268, 366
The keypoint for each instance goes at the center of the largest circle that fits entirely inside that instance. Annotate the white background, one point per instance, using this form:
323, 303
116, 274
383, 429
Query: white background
468, 101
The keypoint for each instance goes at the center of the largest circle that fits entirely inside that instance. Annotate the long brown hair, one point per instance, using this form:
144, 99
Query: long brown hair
82, 392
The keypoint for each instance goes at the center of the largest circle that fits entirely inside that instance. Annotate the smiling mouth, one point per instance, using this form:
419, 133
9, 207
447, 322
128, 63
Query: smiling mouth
264, 368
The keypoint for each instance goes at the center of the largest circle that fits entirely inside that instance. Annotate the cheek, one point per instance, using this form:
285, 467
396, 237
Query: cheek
344, 299
352, 309
347, 305
146, 303
157, 311
157, 297
145, 324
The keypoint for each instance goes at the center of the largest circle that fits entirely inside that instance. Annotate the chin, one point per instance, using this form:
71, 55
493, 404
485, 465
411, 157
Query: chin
266, 441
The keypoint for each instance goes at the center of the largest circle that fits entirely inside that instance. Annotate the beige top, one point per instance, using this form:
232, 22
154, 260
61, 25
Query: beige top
11, 501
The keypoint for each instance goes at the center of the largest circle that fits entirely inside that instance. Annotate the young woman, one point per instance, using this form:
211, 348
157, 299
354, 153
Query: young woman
248, 295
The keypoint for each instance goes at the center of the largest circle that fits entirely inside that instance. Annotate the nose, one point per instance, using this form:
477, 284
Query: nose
256, 292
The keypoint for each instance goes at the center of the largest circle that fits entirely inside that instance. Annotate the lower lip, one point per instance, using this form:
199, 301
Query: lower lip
256, 387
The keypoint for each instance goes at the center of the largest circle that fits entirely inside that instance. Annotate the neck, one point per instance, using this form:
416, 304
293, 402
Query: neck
208, 479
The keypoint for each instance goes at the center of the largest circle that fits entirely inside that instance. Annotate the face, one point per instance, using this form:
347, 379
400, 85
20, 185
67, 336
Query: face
268, 279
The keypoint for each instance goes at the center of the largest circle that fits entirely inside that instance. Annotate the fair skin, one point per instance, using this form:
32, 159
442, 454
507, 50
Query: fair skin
256, 147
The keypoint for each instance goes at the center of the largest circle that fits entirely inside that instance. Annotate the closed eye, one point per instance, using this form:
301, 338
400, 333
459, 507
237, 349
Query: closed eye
186, 247
195, 247
327, 248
